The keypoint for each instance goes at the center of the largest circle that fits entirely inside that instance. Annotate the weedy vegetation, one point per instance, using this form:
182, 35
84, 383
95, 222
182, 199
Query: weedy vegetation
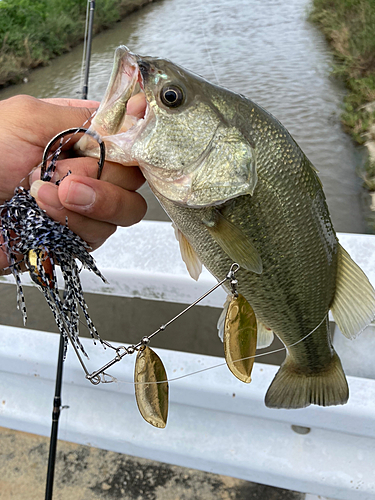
34, 31
349, 26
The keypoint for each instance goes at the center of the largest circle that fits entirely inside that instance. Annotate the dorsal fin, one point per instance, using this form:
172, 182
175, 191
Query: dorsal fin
188, 254
235, 243
353, 306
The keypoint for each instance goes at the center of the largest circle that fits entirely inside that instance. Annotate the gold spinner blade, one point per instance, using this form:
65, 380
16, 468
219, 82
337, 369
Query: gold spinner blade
151, 387
240, 338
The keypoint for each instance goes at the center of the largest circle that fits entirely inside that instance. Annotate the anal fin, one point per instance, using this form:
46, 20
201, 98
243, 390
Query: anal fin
265, 335
292, 388
353, 306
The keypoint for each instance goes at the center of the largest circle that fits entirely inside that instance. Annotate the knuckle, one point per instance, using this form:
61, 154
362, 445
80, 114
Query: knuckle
25, 102
14, 110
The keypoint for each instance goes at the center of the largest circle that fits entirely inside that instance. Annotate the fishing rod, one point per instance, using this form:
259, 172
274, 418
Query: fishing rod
55, 420
88, 49
60, 360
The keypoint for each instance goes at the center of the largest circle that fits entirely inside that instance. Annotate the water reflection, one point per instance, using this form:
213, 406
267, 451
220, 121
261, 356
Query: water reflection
265, 50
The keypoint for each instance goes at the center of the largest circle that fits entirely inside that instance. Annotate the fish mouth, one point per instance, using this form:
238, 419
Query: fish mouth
124, 111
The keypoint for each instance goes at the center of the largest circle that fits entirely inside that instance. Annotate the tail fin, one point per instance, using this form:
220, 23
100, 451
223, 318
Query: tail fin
292, 388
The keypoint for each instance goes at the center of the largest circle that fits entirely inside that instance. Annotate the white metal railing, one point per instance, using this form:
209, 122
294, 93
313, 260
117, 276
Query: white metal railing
216, 423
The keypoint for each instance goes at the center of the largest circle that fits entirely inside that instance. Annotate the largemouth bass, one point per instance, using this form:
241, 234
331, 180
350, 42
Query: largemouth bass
239, 189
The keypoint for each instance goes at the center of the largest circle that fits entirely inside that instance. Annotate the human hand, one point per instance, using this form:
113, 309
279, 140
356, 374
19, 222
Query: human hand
27, 124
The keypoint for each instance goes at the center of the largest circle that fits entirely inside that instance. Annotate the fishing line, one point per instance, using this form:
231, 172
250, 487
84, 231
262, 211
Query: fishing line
100, 375
208, 51
219, 365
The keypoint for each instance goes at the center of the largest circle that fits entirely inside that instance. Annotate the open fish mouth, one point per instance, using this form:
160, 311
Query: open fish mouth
145, 119
115, 122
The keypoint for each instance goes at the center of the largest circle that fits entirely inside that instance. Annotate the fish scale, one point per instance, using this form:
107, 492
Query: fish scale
239, 189
282, 310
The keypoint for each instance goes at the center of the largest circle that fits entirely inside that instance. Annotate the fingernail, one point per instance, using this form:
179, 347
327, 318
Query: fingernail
46, 193
80, 194
34, 176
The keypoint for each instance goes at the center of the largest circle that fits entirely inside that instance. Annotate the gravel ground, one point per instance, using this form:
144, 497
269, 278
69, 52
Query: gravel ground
84, 473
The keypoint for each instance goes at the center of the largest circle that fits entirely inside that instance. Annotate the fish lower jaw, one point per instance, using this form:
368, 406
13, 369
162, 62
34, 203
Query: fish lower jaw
87, 146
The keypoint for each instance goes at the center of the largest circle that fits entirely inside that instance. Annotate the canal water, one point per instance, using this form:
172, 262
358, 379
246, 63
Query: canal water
265, 50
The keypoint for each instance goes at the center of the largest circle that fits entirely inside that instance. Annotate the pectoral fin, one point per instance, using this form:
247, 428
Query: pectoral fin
353, 307
188, 254
235, 243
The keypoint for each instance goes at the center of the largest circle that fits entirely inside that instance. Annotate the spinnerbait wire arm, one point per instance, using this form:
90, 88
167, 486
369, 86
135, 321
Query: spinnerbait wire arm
60, 136
95, 378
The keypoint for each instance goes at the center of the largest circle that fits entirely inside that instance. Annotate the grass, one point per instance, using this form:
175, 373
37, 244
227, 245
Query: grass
349, 26
34, 31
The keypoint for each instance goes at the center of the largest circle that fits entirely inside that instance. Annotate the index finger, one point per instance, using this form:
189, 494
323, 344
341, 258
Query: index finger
48, 119
57, 115
76, 103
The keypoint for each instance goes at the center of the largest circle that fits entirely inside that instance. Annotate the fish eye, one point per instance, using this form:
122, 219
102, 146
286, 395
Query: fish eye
172, 96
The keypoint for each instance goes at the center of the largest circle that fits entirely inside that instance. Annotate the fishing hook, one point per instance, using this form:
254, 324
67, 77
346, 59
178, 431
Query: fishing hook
61, 135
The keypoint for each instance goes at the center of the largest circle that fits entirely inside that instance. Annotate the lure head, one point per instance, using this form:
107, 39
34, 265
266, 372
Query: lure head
40, 267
